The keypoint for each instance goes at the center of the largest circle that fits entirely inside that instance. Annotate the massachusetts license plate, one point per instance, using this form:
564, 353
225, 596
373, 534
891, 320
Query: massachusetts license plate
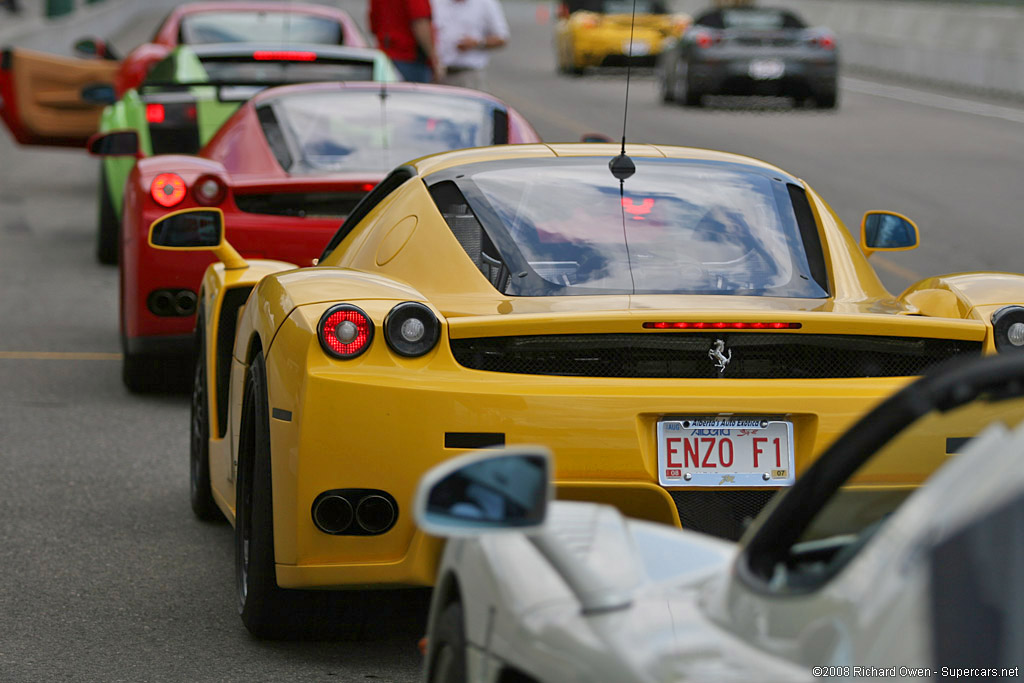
766, 69
725, 452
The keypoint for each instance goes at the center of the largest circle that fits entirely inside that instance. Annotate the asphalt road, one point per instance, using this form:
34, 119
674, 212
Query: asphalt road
104, 574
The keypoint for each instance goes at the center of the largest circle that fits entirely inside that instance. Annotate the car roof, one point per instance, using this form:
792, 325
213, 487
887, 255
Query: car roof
440, 162
298, 7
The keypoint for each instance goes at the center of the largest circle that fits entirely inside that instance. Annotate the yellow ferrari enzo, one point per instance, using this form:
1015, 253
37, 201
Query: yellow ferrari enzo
685, 329
597, 33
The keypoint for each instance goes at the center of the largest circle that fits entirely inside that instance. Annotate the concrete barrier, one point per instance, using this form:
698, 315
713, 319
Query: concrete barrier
970, 47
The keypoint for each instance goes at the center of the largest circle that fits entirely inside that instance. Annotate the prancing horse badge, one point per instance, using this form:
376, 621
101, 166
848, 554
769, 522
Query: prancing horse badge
717, 354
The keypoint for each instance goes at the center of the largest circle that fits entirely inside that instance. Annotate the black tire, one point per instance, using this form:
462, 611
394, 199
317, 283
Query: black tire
829, 100
448, 661
203, 505
267, 610
666, 90
108, 232
691, 97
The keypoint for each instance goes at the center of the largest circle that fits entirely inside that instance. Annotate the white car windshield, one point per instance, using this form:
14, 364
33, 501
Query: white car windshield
246, 27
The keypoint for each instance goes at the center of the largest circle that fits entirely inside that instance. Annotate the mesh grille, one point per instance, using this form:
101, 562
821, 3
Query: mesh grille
720, 513
686, 355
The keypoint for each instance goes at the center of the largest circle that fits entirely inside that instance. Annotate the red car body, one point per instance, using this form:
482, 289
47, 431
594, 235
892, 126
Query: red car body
139, 61
239, 157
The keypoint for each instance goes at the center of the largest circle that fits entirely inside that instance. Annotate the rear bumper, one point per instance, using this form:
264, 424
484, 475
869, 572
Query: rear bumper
732, 77
380, 423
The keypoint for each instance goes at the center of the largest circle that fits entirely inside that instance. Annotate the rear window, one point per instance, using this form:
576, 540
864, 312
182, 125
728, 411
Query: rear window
254, 27
564, 227
371, 129
751, 19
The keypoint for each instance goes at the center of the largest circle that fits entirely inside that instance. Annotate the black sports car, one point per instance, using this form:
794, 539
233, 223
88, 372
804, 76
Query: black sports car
751, 51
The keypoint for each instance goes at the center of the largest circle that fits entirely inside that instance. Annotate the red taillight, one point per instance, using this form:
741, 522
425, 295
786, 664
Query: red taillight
209, 190
345, 331
704, 40
168, 189
826, 42
155, 113
284, 56
368, 186
720, 326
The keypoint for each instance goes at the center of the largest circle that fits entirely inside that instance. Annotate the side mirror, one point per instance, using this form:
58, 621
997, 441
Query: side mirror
485, 491
93, 48
595, 137
98, 94
118, 143
188, 230
887, 231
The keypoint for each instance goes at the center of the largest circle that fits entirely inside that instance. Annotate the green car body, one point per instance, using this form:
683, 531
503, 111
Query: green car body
184, 74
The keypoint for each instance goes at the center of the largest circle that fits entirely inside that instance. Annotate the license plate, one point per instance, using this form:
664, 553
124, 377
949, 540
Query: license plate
767, 69
640, 48
725, 452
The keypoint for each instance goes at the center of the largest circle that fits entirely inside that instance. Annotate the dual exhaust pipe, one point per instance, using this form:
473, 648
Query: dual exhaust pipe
354, 512
172, 302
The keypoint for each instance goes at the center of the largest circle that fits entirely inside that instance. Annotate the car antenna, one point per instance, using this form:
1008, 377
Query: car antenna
622, 167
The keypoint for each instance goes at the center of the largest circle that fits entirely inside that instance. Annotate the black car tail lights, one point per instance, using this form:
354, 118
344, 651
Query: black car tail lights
411, 329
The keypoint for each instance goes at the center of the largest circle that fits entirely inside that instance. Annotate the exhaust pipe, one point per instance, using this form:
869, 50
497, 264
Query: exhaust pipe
375, 514
185, 302
332, 514
161, 302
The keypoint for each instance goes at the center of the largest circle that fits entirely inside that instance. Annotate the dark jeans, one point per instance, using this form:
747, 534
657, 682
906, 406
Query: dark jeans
417, 72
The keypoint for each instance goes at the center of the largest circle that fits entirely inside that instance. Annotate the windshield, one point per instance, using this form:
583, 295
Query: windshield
750, 19
361, 130
868, 498
254, 27
684, 227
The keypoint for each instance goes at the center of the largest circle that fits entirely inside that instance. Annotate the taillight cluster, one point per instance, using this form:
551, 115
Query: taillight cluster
826, 42
705, 39
411, 329
169, 190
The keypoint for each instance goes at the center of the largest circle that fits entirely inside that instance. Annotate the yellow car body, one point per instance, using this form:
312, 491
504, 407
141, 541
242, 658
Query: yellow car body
590, 39
380, 420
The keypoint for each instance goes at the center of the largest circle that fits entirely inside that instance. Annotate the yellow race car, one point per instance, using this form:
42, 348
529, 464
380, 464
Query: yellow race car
597, 33
687, 330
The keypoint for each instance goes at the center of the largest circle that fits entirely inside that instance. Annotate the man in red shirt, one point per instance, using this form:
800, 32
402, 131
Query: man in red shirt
405, 33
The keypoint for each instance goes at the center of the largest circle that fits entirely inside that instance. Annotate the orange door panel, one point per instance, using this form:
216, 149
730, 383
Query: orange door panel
42, 102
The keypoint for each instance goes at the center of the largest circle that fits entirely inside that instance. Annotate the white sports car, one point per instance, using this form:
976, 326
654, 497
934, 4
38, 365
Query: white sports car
834, 579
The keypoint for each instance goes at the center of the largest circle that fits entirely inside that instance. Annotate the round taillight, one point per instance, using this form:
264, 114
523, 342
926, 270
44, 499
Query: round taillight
168, 189
411, 329
209, 190
345, 331
704, 40
1008, 328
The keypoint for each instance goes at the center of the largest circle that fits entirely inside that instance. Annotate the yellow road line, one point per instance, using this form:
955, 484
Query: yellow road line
57, 355
895, 269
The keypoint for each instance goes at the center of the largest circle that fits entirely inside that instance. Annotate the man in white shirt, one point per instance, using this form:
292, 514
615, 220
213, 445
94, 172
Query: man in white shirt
466, 30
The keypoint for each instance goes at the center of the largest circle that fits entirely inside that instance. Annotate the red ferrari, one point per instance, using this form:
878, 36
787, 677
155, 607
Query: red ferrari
201, 23
285, 169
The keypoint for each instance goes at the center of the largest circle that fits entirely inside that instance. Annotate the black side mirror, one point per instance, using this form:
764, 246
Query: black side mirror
93, 48
98, 94
118, 143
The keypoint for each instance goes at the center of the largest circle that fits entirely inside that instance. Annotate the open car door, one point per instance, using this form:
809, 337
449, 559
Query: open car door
42, 96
